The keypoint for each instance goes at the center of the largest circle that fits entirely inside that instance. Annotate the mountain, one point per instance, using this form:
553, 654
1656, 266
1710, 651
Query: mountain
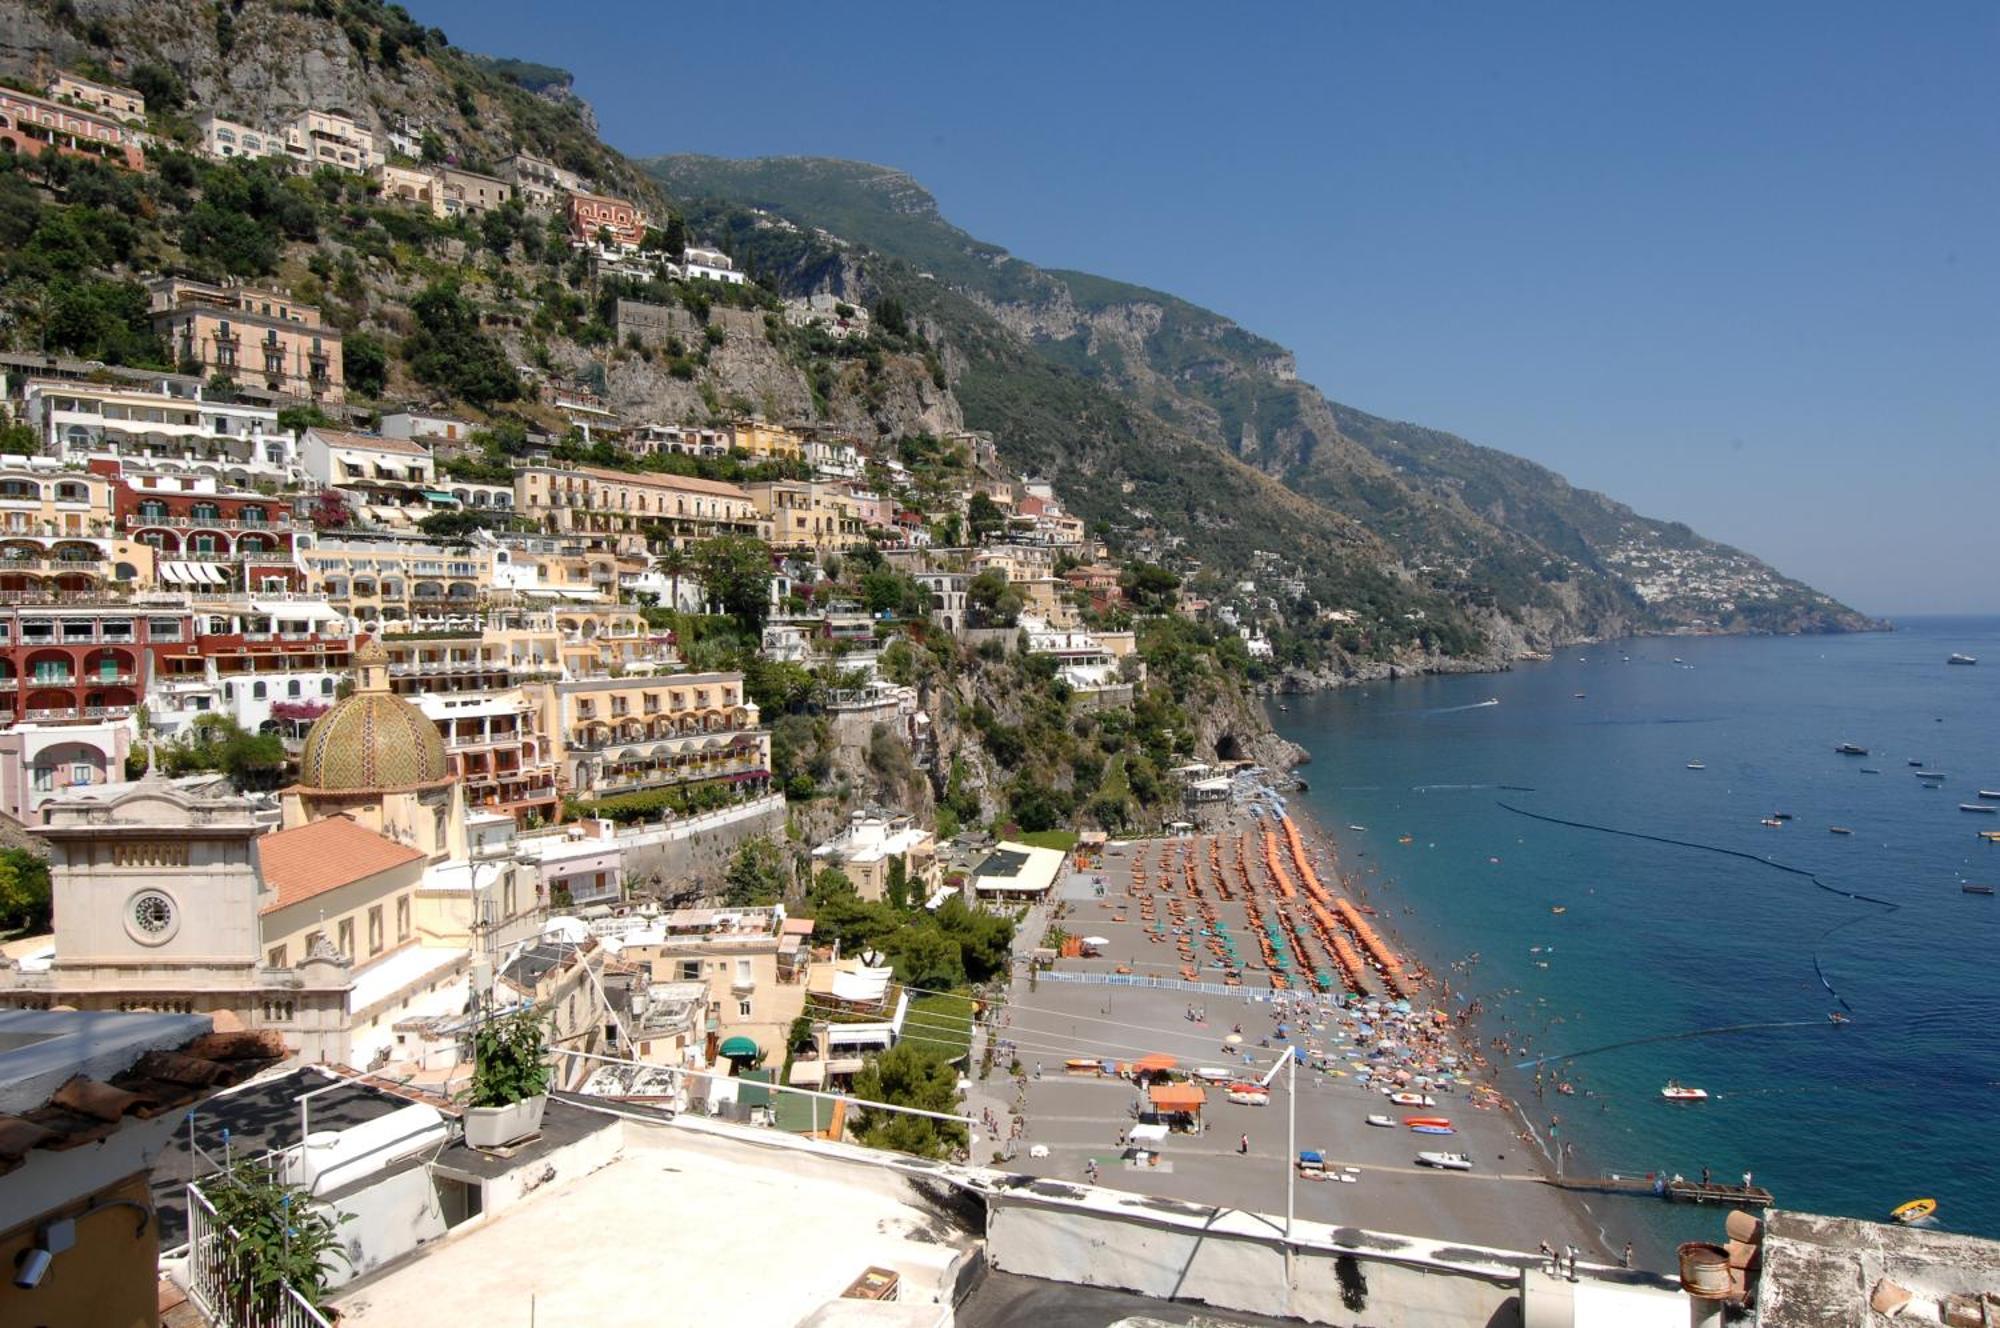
1526, 557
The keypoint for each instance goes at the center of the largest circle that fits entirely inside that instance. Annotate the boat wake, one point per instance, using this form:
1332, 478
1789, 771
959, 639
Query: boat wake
1453, 710
1534, 1062
1819, 970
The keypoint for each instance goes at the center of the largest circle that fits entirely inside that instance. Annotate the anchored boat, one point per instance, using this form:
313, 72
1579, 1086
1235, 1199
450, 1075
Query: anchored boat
1916, 1210
1678, 1092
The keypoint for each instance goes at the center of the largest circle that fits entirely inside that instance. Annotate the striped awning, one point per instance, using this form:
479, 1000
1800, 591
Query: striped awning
193, 574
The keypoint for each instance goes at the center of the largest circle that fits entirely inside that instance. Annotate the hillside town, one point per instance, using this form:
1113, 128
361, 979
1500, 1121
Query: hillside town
428, 807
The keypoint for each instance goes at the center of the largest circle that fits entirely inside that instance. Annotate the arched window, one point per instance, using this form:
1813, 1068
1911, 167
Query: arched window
206, 512
326, 687
152, 510
257, 691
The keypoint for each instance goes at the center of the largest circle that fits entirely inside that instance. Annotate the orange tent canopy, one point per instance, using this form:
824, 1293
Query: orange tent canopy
1155, 1063
1178, 1097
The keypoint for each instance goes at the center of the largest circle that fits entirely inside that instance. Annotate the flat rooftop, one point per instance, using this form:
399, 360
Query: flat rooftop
1822, 1270
682, 1229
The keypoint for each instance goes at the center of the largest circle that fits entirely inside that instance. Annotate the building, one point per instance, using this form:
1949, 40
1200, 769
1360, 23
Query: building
808, 515
417, 188
698, 264
868, 849
392, 582
104, 98
41, 760
497, 748
765, 442
91, 1102
615, 509
383, 470
30, 126
173, 423
1015, 874
696, 440
203, 534
462, 193
538, 183
591, 216
256, 337
621, 735
58, 541
223, 139
330, 138
411, 425
753, 963
272, 663
85, 661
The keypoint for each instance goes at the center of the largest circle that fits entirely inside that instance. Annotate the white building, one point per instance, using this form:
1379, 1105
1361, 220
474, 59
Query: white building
871, 842
223, 139
79, 422
338, 459
411, 424
699, 264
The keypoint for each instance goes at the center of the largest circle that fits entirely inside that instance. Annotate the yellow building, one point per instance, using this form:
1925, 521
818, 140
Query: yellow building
620, 735
806, 514
256, 337
385, 582
615, 509
765, 442
57, 535
753, 961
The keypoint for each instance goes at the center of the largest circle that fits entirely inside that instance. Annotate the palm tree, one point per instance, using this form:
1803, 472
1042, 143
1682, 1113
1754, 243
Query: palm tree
675, 562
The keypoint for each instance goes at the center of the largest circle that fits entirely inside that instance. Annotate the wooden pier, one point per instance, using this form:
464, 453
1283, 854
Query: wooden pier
1673, 1191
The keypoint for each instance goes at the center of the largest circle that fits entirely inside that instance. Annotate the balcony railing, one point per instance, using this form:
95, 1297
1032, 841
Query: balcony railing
138, 520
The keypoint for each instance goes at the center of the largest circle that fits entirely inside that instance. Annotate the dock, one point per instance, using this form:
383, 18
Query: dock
1673, 1191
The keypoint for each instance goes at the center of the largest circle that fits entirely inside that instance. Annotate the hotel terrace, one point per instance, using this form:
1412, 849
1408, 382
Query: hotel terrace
621, 735
616, 508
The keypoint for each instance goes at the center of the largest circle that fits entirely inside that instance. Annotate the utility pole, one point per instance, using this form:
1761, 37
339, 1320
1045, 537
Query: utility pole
1291, 1153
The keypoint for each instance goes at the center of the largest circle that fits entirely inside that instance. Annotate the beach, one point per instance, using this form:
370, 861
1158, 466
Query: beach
1152, 926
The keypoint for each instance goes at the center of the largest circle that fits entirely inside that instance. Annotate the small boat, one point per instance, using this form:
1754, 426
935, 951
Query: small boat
1869, 770
1249, 1095
1384, 1122
1849, 749
1838, 830
1406, 839
1772, 821
1414, 1121
1445, 1161
1432, 1129
1357, 829
1412, 1100
1990, 836
1678, 1092
1991, 795
1976, 889
1957, 658
1836, 1018
1781, 816
1696, 765
1986, 807
1559, 909
1580, 695
1931, 776
1913, 763
1916, 1210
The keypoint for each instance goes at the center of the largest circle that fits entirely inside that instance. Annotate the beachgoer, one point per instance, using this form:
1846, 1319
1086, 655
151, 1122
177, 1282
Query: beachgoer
1243, 1145
1704, 1176
1628, 1254
1746, 1180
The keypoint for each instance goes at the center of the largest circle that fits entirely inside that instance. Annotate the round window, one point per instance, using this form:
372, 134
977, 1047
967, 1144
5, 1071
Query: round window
152, 918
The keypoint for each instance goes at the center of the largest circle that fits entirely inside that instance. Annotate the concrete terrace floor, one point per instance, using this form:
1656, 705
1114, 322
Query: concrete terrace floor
1500, 1203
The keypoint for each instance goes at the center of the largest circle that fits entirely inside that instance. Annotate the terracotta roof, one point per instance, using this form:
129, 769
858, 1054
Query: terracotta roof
664, 480
343, 438
311, 859
84, 1110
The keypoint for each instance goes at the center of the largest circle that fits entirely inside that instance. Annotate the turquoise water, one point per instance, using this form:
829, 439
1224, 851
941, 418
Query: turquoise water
1659, 940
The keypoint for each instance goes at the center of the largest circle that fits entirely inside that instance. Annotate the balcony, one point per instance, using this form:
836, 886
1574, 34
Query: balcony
135, 521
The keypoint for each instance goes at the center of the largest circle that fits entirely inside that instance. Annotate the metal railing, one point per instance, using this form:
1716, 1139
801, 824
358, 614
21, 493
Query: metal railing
216, 1270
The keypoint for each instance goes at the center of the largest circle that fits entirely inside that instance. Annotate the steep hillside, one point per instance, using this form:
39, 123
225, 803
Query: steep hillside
1532, 559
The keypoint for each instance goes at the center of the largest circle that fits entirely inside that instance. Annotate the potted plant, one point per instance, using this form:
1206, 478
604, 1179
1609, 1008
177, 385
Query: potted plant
510, 1080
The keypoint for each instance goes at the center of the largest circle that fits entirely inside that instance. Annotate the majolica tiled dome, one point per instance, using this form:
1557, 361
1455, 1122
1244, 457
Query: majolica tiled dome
372, 740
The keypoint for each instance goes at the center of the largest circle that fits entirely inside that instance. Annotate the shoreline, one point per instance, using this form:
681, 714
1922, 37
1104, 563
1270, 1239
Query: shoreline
1464, 1032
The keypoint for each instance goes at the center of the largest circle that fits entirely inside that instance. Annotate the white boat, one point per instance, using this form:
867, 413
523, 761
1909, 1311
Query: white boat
1696, 765
1991, 795
1677, 1092
1445, 1161
1990, 808
1961, 659
1386, 1122
1412, 1100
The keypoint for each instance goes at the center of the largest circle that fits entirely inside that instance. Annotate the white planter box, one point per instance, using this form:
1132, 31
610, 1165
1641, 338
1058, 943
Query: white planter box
496, 1127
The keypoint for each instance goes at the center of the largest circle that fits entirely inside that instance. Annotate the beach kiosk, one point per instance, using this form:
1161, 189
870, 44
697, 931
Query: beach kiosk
1178, 1106
1154, 1067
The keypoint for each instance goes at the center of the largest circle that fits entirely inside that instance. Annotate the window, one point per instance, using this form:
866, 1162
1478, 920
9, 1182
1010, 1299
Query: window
313, 939
743, 1009
45, 779
690, 970
375, 930
743, 971
402, 917
278, 957
257, 691
346, 942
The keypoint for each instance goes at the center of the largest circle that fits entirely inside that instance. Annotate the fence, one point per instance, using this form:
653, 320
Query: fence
218, 1277
1141, 980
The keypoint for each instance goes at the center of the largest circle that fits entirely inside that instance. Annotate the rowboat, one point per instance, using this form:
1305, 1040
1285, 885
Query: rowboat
1414, 1121
1249, 1095
1838, 830
1916, 1210
1432, 1129
1412, 1100
1675, 1092
1386, 1122
1445, 1161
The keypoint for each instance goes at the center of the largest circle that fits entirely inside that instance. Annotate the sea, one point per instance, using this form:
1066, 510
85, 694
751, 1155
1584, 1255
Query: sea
1624, 961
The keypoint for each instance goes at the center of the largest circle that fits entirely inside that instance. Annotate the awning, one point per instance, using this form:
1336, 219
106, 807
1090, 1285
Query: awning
193, 574
807, 1074
739, 1048
865, 986
1147, 1133
439, 496
1178, 1097
1155, 1063
309, 610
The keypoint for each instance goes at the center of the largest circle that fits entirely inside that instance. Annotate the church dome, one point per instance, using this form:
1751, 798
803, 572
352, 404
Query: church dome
373, 739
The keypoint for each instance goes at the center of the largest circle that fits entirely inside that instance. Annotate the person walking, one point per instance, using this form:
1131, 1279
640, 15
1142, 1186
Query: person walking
1243, 1145
1628, 1254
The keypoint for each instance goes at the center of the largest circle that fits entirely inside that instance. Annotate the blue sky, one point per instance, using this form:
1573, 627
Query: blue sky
1736, 265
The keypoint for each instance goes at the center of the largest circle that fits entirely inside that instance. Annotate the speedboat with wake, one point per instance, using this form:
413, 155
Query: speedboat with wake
1675, 1091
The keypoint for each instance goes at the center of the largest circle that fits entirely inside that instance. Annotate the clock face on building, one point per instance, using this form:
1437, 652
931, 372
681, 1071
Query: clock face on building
151, 917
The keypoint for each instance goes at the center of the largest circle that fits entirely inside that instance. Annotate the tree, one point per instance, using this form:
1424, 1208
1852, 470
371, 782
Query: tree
673, 562
448, 351
331, 512
909, 1075
891, 317
1150, 587
458, 523
675, 241
983, 517
756, 876
19, 440
25, 898
736, 572
992, 600
297, 419
925, 957
365, 364
897, 888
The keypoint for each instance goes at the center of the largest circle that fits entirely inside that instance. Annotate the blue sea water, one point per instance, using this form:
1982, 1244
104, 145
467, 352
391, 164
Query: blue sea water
1658, 940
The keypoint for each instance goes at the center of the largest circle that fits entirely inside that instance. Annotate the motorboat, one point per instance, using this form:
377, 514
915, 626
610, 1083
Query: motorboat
1991, 795
1916, 1210
1382, 1122
1988, 808
1445, 1161
1931, 776
1971, 889
1850, 749
1913, 762
1957, 658
1696, 765
1781, 816
1676, 1091
1837, 1019
1838, 830
1870, 770
1772, 821
1412, 1100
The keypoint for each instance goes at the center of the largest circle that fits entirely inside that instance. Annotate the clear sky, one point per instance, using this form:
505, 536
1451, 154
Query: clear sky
1733, 264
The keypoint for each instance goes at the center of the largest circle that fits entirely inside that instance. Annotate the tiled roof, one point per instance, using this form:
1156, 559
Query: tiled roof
85, 1110
664, 480
311, 859
342, 438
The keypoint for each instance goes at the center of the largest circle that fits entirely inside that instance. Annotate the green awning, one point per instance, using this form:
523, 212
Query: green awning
439, 496
739, 1047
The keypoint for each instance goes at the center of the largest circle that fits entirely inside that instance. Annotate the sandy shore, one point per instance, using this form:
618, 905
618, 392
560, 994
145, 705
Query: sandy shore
1079, 1117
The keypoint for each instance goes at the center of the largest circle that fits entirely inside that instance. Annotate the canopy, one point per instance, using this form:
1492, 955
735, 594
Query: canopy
1148, 1133
1178, 1097
193, 574
1097, 940
308, 610
440, 496
739, 1047
1157, 1063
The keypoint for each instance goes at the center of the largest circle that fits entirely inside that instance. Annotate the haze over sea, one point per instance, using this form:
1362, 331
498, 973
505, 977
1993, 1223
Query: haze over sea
1658, 940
